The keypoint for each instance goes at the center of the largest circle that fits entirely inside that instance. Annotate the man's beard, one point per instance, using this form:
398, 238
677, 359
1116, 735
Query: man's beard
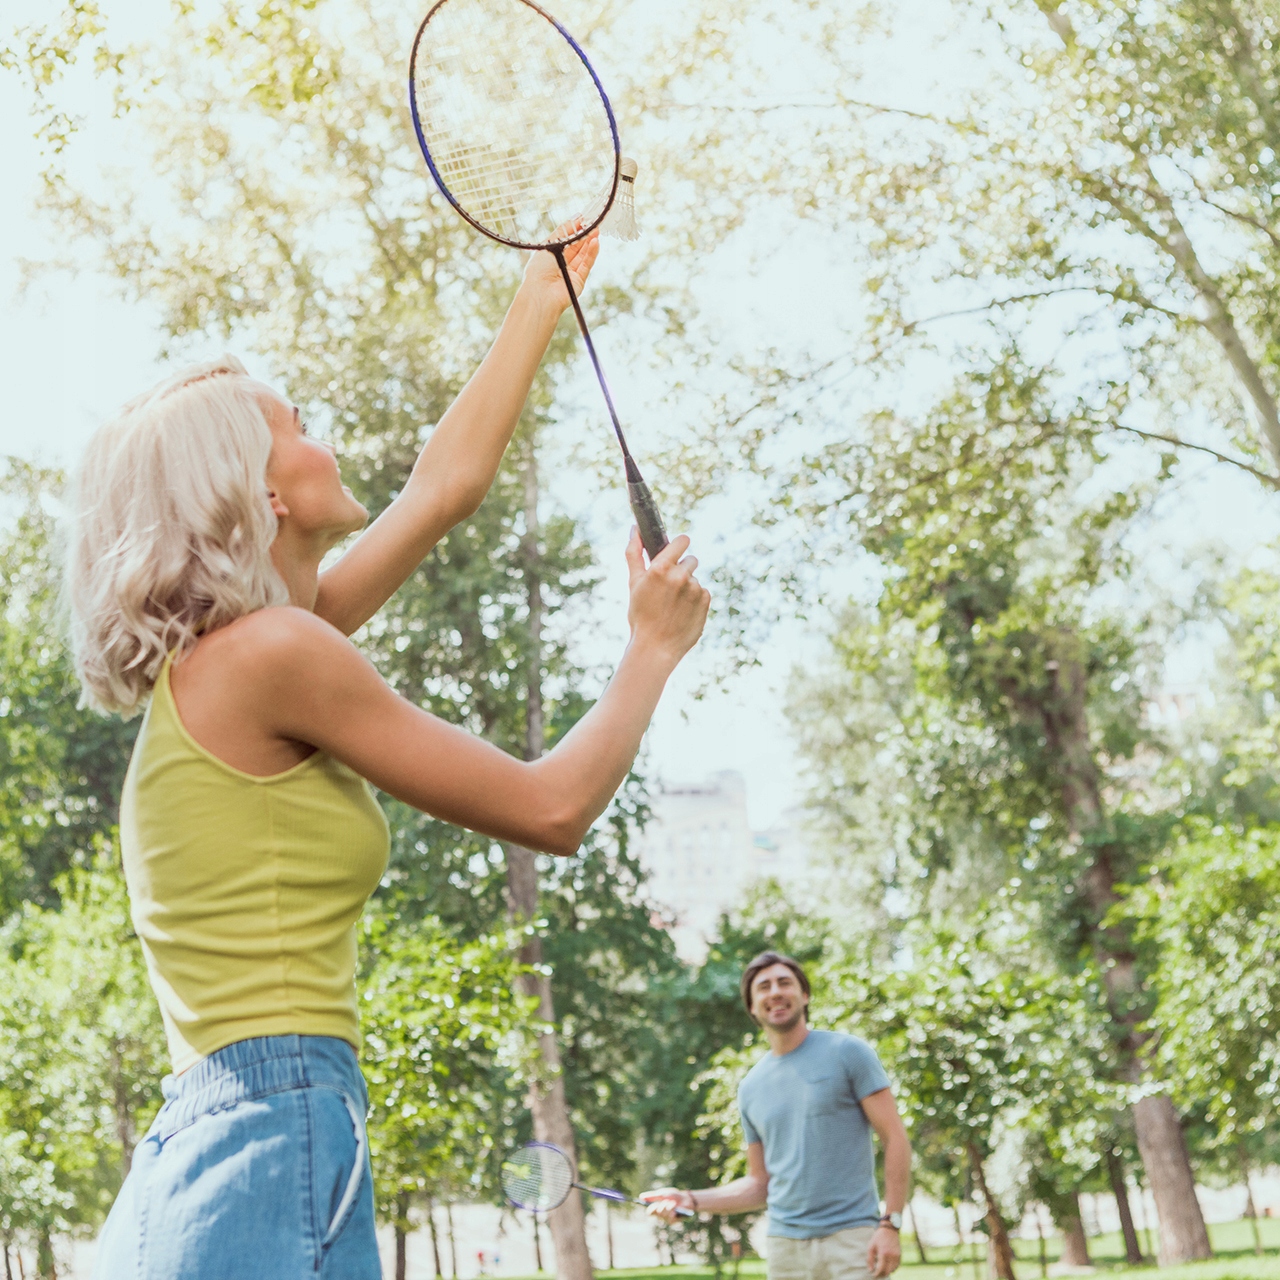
790, 1024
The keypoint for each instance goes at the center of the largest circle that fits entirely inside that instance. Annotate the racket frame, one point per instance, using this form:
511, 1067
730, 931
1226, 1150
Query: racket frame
552, 245
649, 523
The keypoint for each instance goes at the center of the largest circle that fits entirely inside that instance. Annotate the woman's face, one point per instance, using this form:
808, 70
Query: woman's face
302, 475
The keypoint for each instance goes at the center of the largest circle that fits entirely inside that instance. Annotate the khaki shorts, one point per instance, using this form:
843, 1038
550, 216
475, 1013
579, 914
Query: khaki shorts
842, 1256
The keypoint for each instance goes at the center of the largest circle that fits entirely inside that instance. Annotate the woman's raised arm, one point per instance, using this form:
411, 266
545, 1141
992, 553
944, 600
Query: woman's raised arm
458, 463
303, 682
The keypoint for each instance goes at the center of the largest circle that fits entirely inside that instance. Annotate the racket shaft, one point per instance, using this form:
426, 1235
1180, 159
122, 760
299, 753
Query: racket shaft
618, 1198
648, 518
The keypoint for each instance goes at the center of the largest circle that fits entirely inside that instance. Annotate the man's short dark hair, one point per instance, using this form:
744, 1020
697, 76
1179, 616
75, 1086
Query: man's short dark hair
764, 961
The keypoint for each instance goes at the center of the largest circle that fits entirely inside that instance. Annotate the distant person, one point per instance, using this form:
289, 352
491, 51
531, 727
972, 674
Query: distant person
808, 1108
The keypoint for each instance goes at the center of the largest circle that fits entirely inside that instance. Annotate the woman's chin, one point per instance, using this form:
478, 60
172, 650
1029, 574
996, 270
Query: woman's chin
359, 517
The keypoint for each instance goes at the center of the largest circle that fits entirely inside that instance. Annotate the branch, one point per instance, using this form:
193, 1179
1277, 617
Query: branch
1247, 219
996, 303
1218, 319
1058, 22
1271, 481
840, 104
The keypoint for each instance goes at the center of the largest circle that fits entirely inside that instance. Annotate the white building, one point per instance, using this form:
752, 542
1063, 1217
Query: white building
701, 855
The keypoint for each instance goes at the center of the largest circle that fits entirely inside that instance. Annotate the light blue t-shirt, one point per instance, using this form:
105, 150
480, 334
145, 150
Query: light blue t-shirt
805, 1107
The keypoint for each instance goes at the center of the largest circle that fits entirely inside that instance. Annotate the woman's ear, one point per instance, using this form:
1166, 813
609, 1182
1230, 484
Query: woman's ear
277, 504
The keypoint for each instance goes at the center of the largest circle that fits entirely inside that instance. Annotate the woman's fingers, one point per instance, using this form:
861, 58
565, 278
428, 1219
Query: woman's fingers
635, 556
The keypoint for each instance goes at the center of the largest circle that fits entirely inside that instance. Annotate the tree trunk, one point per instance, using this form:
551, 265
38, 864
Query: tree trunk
608, 1227
1044, 1253
453, 1243
435, 1239
401, 1226
1250, 1209
1183, 1234
1075, 1244
1001, 1257
915, 1232
123, 1114
45, 1263
1120, 1189
8, 1270
1061, 711
546, 1096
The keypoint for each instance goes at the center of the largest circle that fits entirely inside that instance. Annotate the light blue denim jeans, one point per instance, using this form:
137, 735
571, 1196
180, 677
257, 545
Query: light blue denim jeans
256, 1168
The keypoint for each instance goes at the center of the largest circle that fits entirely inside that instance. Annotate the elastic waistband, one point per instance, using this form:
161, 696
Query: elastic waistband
257, 1068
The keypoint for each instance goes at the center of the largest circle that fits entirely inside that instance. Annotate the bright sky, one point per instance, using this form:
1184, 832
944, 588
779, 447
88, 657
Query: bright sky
71, 350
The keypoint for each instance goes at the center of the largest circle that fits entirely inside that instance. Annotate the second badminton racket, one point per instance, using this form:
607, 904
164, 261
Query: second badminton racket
539, 1177
521, 140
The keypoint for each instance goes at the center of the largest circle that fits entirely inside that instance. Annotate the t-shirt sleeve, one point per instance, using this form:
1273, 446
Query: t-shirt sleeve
862, 1067
748, 1129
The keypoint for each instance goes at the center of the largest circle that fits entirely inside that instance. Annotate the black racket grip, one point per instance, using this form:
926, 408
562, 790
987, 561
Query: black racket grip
653, 532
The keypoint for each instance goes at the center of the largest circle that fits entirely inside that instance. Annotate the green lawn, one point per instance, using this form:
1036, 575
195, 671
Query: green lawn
1232, 1242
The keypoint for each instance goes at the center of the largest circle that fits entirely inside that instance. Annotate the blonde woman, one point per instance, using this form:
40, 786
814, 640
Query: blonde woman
250, 836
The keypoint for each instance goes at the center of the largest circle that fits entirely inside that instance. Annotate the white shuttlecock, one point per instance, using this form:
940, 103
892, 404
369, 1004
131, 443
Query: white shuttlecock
621, 220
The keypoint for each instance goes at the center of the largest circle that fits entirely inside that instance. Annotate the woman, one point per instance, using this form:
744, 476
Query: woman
250, 837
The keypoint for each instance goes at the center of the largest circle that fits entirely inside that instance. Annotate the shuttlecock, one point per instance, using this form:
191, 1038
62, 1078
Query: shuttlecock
621, 220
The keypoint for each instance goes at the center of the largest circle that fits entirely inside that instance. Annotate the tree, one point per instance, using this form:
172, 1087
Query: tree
81, 1055
443, 1031
1010, 704
976, 1036
1210, 908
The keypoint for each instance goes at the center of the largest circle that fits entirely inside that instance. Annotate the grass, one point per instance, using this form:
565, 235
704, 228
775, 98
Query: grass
1232, 1243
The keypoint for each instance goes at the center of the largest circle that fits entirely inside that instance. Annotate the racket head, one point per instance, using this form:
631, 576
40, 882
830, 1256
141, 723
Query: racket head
513, 121
537, 1177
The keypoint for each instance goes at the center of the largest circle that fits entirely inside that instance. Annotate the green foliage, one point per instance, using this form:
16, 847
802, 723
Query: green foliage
444, 1037
81, 1054
1211, 909
979, 1035
61, 765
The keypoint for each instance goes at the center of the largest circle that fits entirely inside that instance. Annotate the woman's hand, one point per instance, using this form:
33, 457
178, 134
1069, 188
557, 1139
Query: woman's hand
669, 605
542, 278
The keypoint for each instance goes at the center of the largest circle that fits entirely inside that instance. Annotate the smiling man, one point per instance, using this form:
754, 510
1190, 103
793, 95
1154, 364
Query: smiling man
808, 1110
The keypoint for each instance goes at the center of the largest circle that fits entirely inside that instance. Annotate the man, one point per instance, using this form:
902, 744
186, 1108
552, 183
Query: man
808, 1108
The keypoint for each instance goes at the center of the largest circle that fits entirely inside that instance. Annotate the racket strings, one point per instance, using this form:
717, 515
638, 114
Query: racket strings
537, 1177
515, 124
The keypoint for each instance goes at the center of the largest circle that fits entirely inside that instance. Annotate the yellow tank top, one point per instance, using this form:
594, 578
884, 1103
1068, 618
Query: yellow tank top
245, 891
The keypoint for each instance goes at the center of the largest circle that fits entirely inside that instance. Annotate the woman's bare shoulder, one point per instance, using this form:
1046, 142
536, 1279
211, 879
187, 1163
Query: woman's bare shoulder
267, 640
251, 692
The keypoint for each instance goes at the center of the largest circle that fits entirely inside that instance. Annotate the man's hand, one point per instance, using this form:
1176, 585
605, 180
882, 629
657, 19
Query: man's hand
884, 1253
666, 1202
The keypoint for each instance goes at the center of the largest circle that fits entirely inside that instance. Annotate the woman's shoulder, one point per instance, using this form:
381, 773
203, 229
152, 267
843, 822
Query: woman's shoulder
277, 634
262, 655
239, 690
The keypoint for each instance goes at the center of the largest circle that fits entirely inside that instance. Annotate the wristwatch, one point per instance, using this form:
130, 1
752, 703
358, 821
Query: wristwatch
893, 1220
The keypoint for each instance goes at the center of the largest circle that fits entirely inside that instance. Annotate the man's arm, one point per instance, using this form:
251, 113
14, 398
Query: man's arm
739, 1196
885, 1251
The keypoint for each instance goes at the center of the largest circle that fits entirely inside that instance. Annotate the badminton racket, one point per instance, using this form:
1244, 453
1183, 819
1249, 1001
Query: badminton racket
520, 137
539, 1177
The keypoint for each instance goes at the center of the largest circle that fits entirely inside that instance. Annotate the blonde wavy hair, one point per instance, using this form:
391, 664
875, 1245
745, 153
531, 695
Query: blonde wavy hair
171, 529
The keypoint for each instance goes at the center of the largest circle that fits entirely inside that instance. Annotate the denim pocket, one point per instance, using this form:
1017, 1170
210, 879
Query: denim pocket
338, 1159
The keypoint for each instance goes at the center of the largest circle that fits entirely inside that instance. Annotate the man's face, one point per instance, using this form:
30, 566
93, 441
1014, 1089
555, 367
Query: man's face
778, 1002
